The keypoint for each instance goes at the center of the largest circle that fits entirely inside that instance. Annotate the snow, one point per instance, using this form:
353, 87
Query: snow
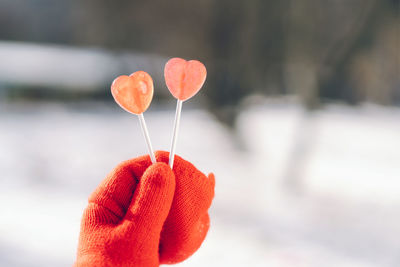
302, 189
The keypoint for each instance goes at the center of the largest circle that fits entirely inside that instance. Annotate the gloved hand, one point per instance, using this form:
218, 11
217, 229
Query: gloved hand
144, 215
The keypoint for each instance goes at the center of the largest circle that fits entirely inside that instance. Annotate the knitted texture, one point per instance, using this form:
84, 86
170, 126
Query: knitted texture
144, 215
188, 221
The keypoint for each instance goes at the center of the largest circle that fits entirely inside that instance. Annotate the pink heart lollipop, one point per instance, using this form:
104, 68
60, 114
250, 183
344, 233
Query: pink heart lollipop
184, 78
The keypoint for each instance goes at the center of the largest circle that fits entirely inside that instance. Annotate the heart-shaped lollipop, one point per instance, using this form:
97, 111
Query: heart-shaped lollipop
134, 92
184, 78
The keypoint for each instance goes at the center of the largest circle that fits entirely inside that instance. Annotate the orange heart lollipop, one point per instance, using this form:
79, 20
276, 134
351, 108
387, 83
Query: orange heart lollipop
134, 92
184, 78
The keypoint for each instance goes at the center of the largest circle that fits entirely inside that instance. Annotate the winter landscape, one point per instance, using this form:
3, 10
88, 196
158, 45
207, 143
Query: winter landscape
293, 188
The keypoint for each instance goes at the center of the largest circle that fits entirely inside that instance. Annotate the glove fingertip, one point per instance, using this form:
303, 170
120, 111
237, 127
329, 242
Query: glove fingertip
160, 175
162, 156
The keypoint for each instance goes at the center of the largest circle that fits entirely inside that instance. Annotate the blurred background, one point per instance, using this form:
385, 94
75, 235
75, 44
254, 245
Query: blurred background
299, 119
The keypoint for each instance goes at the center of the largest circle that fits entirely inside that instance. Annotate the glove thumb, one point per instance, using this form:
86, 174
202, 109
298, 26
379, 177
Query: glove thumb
151, 202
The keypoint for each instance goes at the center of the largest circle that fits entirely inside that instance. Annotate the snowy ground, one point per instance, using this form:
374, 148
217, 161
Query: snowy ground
293, 189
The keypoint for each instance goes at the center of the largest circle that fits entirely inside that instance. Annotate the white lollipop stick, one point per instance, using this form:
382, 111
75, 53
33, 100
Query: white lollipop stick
175, 133
147, 137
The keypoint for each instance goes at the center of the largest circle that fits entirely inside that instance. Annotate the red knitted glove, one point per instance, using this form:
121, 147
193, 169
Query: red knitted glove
122, 224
